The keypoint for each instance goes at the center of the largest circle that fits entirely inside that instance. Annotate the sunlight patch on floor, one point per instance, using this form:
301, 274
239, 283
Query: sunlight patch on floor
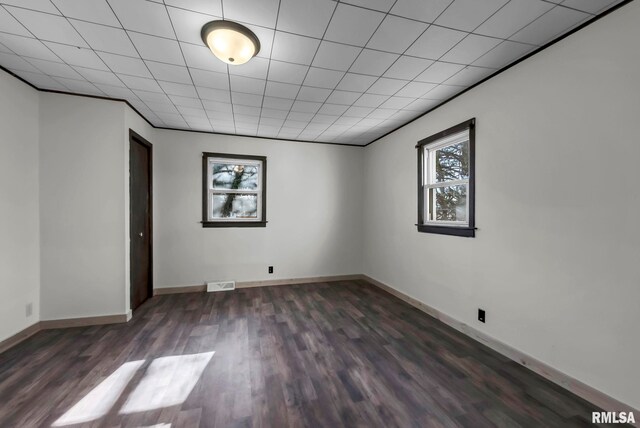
167, 382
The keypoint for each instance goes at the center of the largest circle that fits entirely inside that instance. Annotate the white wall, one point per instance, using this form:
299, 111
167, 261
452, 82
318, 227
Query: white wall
556, 259
314, 212
19, 228
82, 206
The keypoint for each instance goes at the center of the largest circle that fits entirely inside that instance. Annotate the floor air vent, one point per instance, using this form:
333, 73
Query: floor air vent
221, 286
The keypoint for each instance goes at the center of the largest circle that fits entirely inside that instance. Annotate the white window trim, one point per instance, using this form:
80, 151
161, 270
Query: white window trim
211, 191
429, 178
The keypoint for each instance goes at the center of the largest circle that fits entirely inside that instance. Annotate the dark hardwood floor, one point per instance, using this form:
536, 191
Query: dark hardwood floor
318, 355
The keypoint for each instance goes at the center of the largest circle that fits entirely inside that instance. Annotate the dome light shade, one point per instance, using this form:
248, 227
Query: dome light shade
231, 42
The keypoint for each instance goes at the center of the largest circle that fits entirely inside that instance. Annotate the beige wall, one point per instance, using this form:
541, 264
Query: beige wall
556, 259
19, 228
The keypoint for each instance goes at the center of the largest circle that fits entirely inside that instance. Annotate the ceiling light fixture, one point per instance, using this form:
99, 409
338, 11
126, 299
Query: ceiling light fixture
231, 42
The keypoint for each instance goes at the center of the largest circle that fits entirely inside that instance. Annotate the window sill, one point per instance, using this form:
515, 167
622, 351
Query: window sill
234, 224
467, 232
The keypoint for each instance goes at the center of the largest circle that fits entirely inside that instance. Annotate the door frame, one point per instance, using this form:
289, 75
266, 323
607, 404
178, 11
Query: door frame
134, 137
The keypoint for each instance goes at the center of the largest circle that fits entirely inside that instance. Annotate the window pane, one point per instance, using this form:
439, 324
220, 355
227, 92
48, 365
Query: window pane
452, 162
234, 176
450, 203
234, 205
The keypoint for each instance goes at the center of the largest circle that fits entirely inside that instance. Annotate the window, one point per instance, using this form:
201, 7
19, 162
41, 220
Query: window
234, 190
446, 181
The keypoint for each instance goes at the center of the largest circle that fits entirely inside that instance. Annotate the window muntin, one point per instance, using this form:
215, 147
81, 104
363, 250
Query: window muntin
234, 190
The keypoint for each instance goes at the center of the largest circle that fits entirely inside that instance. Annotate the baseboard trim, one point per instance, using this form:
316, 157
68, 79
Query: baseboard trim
567, 382
20, 336
251, 284
23, 335
84, 322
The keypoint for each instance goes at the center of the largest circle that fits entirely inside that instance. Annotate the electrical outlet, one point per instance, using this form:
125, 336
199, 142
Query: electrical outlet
481, 315
28, 309
270, 269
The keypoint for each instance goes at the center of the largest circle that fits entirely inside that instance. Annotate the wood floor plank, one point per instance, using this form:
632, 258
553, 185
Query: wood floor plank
314, 355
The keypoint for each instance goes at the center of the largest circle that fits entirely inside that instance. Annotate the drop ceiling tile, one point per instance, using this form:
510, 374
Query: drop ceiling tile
381, 5
156, 97
353, 25
415, 89
265, 35
79, 86
396, 34
512, 17
143, 16
115, 91
48, 27
77, 56
422, 105
247, 110
5, 49
209, 79
470, 48
214, 94
435, 42
549, 25
385, 86
40, 80
171, 88
335, 56
313, 94
105, 39
469, 75
382, 113
99, 76
55, 69
211, 7
186, 102
347, 120
159, 108
171, 73
243, 120
39, 5
356, 82
286, 72
503, 54
125, 65
370, 100
187, 24
97, 11
252, 100
282, 90
9, 24
396, 102
306, 106
589, 6
256, 68
373, 63
321, 78
424, 10
407, 67
218, 107
343, 97
247, 85
466, 15
14, 62
259, 12
141, 83
297, 124
306, 17
157, 48
274, 113
202, 58
438, 72
442, 92
293, 48
277, 103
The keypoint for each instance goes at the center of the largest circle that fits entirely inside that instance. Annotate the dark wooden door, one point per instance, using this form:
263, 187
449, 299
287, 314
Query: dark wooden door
140, 219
